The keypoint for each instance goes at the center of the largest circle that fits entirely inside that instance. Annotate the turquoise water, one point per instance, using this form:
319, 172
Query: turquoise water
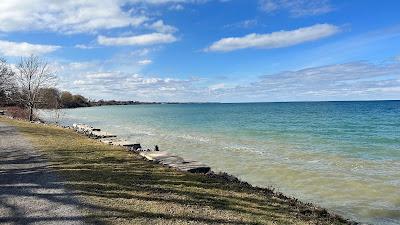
344, 156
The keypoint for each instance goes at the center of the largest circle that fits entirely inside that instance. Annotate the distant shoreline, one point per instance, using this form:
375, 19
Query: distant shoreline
121, 103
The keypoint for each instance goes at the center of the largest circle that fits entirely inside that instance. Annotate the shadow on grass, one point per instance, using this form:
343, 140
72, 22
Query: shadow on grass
120, 187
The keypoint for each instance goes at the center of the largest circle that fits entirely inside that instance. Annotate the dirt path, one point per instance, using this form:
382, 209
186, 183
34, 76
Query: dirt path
30, 193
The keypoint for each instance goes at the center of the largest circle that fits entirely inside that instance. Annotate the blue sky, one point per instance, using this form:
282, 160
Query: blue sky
211, 50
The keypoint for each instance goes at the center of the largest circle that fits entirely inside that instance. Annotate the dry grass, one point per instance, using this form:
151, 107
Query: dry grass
118, 187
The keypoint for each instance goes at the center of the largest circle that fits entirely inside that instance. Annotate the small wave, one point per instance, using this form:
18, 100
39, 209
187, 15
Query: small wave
136, 130
194, 138
239, 148
140, 133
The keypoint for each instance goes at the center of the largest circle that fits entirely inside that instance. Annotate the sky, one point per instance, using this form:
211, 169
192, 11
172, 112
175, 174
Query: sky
211, 50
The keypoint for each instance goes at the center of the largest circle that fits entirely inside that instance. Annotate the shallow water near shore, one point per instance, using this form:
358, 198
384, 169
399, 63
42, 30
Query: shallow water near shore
344, 156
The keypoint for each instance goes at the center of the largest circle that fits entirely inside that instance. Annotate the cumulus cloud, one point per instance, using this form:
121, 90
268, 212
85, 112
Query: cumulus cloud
73, 16
66, 16
9, 48
277, 39
106, 75
98, 80
161, 27
138, 40
156, 2
78, 65
144, 62
136, 86
297, 8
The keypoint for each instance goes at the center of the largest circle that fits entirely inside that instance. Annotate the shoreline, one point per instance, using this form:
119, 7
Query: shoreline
228, 178
162, 157
128, 103
304, 209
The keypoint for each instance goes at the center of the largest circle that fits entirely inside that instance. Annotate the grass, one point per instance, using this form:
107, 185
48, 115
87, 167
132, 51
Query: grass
118, 187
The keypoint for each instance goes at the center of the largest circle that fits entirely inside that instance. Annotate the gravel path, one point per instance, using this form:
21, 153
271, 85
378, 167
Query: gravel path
30, 193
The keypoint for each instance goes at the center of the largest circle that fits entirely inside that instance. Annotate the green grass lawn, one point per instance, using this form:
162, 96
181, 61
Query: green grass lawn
119, 187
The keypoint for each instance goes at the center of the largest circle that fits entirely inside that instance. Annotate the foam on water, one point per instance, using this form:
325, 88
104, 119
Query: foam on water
344, 156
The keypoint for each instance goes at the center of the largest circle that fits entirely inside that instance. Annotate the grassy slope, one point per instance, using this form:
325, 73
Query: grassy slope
118, 187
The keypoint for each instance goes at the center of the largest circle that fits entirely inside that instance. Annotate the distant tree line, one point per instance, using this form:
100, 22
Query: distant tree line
114, 102
52, 98
30, 85
48, 98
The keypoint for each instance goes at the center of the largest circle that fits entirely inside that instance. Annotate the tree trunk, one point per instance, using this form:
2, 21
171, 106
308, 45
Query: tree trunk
31, 113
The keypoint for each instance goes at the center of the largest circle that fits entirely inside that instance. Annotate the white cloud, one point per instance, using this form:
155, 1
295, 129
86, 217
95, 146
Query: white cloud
134, 87
141, 52
277, 39
217, 86
9, 48
177, 7
82, 46
78, 16
139, 40
66, 16
348, 81
297, 8
159, 26
79, 65
107, 75
243, 24
99, 79
80, 82
144, 62
157, 2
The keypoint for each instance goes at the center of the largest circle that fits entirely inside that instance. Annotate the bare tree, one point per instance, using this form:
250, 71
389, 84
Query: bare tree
50, 99
33, 74
6, 81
